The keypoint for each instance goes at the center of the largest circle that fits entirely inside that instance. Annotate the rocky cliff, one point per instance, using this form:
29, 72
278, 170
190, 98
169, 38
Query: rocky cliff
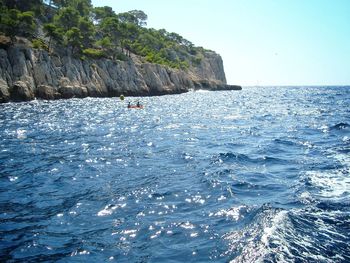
26, 73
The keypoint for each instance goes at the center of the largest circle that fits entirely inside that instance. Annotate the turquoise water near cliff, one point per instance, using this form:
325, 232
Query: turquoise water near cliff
260, 174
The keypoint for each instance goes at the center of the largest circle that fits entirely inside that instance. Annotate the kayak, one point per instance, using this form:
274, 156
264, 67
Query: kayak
135, 107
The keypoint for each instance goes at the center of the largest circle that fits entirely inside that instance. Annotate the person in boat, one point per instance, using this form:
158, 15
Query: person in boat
129, 105
138, 104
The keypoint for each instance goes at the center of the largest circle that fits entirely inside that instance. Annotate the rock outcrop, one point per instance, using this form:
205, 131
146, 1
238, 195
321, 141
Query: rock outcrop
26, 74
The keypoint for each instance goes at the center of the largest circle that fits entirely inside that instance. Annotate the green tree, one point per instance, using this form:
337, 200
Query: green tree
87, 31
100, 13
84, 7
71, 25
176, 38
9, 22
136, 17
110, 27
26, 24
17, 23
127, 18
66, 18
128, 33
53, 32
140, 16
73, 38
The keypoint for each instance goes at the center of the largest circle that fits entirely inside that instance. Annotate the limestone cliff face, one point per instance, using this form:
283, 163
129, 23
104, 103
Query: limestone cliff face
26, 74
210, 68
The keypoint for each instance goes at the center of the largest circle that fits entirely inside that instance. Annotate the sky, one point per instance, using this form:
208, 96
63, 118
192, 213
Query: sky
262, 42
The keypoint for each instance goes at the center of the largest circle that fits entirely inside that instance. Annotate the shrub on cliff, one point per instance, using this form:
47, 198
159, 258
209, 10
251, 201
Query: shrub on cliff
94, 53
39, 44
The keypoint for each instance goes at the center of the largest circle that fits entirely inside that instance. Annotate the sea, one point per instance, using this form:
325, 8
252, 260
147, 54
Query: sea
257, 175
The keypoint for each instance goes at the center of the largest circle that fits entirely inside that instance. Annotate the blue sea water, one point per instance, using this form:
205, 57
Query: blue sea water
258, 175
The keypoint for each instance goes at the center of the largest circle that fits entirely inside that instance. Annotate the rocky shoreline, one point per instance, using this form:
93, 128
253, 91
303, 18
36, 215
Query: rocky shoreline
27, 74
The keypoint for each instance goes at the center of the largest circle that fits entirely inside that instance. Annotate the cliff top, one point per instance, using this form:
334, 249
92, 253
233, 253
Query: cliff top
96, 32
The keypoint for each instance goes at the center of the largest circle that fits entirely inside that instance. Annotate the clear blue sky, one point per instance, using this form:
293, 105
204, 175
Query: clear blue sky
262, 42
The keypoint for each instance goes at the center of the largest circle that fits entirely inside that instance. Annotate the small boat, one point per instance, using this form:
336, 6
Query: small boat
135, 107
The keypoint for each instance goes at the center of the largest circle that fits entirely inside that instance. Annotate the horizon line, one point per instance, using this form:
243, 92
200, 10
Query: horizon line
293, 85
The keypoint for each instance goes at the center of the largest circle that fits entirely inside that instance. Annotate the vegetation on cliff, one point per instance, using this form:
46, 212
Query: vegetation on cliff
96, 32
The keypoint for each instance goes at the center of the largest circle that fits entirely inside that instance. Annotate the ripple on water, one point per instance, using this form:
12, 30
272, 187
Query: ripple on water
195, 177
